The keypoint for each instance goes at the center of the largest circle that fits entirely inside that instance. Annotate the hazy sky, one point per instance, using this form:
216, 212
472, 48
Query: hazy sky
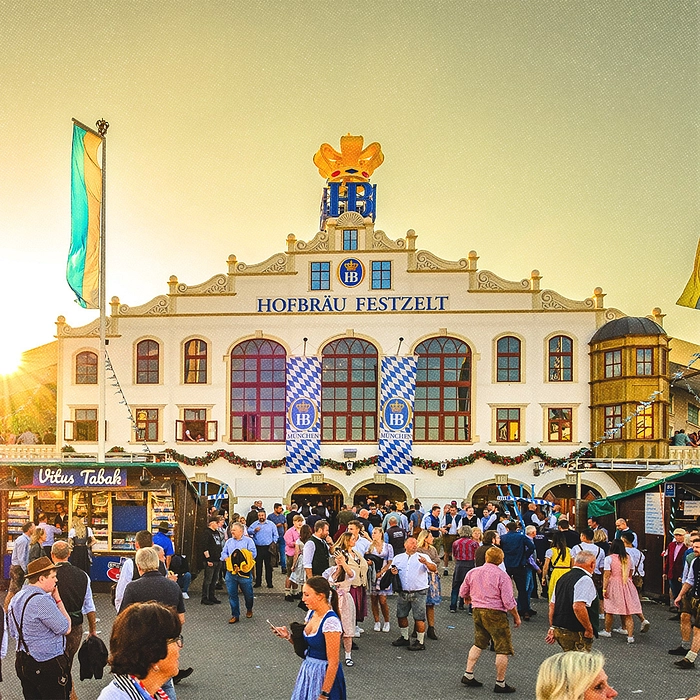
555, 135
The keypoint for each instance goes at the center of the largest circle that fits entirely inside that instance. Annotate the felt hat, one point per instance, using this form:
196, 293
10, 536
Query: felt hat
164, 526
39, 566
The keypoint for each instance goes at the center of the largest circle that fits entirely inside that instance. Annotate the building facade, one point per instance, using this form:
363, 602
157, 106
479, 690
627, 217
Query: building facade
499, 390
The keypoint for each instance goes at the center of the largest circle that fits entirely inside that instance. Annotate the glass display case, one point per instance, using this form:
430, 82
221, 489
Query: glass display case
18, 513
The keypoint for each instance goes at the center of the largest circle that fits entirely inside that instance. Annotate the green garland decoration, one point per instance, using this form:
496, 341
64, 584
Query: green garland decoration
489, 456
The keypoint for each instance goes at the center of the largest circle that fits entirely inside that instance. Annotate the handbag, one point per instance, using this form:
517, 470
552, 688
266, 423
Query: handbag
296, 631
434, 594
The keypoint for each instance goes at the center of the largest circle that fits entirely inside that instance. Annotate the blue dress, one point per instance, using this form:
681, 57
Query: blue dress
313, 668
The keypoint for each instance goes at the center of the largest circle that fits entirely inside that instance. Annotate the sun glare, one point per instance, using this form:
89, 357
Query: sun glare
10, 359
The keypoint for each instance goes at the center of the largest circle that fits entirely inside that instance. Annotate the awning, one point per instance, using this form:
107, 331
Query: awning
606, 506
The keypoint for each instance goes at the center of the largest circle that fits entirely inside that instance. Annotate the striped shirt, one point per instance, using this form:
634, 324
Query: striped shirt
44, 627
464, 549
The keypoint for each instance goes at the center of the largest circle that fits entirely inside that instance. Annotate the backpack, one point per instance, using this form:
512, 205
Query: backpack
240, 562
178, 564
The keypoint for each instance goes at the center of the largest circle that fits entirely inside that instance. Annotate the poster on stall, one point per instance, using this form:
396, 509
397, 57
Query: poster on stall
654, 514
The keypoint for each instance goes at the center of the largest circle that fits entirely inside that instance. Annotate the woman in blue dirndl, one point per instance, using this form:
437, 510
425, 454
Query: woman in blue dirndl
321, 675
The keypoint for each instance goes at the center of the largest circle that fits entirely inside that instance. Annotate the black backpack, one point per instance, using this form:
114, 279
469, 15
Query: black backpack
179, 564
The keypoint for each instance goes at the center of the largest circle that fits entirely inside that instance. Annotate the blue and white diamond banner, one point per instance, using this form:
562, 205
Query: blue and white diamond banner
303, 415
397, 395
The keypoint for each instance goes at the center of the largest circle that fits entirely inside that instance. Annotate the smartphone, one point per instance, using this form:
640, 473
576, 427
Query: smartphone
271, 625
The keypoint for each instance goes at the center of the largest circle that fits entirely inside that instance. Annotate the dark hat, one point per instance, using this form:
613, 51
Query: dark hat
39, 566
164, 526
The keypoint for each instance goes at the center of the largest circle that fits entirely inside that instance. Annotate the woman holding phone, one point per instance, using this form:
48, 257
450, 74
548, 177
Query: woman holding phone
321, 675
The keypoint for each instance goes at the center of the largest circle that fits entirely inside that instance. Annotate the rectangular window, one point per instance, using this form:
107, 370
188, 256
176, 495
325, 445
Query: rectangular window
645, 423
320, 275
613, 419
507, 425
693, 414
559, 422
86, 424
381, 274
645, 358
147, 424
613, 364
350, 239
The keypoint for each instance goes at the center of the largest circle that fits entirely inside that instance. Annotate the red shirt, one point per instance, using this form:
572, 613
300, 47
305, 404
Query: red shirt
464, 549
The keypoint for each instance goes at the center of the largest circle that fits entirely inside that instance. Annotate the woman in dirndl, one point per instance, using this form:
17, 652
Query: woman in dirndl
359, 566
320, 675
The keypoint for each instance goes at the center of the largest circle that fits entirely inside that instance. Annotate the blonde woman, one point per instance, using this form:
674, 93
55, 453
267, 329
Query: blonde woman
573, 675
36, 544
81, 540
358, 564
425, 546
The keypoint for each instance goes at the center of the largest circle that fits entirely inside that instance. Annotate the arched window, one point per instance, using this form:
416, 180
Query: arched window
508, 359
195, 362
147, 362
86, 368
561, 359
258, 381
349, 391
442, 410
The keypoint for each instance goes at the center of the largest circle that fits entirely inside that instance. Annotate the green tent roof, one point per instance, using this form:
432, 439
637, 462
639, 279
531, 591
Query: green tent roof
606, 506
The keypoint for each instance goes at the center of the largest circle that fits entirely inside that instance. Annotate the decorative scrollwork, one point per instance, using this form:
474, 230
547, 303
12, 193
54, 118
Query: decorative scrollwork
613, 314
489, 281
276, 263
425, 260
216, 285
319, 242
91, 329
160, 306
553, 301
380, 241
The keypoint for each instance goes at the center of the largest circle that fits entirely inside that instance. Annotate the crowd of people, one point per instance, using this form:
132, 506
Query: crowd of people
341, 568
28, 437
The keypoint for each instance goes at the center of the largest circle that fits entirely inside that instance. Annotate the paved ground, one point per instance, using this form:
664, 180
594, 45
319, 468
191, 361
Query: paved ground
246, 662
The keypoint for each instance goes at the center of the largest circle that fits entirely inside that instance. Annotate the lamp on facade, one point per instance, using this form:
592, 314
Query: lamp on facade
537, 468
442, 469
146, 477
258, 468
349, 467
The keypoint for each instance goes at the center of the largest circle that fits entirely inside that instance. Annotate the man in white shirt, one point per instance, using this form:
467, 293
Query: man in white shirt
587, 545
412, 569
362, 541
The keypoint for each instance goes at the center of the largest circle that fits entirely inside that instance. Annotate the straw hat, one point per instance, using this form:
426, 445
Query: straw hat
39, 566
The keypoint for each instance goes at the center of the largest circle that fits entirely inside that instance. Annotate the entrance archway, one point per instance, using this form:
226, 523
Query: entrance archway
310, 495
565, 496
490, 492
379, 493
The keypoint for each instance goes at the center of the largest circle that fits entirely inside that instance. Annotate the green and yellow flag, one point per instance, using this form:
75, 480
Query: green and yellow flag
691, 293
83, 269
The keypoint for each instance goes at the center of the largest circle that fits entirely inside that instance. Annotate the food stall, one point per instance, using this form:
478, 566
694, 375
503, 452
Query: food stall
115, 500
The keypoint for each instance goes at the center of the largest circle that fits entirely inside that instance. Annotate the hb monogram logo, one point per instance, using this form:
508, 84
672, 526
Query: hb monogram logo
303, 414
396, 414
351, 272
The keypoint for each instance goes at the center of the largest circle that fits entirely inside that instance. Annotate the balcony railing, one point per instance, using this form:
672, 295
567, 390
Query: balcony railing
46, 453
688, 455
27, 453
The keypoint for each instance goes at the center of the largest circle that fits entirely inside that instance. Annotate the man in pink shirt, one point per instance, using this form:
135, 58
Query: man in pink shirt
490, 591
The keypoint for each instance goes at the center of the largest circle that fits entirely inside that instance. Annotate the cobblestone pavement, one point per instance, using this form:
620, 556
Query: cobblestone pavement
245, 661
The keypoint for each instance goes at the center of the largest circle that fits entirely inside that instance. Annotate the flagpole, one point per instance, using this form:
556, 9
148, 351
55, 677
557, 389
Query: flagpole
102, 127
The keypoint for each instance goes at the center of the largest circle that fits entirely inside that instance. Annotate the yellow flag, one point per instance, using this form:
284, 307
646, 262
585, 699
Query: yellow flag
691, 293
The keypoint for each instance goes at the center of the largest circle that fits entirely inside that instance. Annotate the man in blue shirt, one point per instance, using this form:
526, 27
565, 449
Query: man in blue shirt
278, 518
19, 561
38, 620
238, 540
517, 549
162, 539
264, 533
